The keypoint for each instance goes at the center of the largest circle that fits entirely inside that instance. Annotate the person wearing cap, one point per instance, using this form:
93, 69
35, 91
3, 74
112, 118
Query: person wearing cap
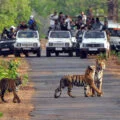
12, 34
32, 22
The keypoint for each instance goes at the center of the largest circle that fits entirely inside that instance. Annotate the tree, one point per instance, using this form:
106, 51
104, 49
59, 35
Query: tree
13, 11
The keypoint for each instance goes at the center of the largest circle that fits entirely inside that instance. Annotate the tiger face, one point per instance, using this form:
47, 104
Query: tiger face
100, 64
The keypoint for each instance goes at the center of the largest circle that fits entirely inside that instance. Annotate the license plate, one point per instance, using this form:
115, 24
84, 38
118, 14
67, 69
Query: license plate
26, 48
58, 48
5, 49
92, 49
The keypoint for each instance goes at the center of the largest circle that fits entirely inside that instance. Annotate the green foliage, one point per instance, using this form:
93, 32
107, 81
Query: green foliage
45, 7
13, 11
1, 114
113, 52
118, 56
8, 69
25, 79
102, 56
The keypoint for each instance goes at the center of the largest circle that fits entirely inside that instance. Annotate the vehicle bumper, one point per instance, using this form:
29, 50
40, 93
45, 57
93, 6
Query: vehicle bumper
22, 50
61, 49
94, 51
6, 51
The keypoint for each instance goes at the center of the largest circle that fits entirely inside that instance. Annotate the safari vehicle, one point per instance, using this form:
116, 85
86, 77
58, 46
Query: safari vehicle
114, 30
94, 42
27, 41
7, 46
59, 42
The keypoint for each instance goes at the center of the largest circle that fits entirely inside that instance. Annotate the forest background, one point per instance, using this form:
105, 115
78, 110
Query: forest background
12, 12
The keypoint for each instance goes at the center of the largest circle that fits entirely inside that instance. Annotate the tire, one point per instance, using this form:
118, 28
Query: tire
5, 55
26, 54
38, 53
57, 54
48, 53
83, 55
77, 53
0, 52
70, 54
17, 54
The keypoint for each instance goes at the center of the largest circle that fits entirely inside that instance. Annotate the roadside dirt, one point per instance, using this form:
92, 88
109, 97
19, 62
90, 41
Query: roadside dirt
113, 66
18, 111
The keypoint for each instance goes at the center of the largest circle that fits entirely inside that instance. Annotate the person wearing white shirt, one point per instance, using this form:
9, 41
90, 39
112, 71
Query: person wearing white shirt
53, 18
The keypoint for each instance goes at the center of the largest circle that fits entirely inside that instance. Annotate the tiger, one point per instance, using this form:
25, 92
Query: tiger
86, 80
8, 84
100, 66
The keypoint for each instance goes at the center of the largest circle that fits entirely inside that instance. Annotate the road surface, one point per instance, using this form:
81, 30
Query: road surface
46, 73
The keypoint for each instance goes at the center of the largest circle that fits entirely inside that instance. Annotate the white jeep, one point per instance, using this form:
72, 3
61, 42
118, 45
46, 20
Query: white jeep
59, 42
114, 30
94, 42
27, 41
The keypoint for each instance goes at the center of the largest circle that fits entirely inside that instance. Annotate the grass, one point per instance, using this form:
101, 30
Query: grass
1, 114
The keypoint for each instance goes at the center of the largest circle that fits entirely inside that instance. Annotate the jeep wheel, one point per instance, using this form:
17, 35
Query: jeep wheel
57, 54
38, 53
17, 54
83, 55
48, 53
77, 53
5, 55
70, 54
26, 54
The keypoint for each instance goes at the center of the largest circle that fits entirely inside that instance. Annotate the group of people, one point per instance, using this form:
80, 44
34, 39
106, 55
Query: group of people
60, 21
11, 32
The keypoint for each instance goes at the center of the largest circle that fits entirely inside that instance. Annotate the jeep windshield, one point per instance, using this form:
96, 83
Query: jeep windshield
60, 35
94, 34
27, 34
114, 32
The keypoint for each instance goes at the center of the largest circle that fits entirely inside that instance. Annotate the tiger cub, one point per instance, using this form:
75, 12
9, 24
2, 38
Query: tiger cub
86, 80
7, 84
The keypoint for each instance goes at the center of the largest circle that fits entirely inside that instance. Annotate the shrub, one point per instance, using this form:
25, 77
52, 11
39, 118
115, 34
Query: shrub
9, 69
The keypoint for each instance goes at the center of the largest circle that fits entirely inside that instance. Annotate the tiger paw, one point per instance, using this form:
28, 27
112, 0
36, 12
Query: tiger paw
99, 95
93, 95
71, 95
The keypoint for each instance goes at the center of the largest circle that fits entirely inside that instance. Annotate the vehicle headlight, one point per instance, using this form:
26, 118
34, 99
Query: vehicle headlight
35, 44
18, 44
50, 44
66, 44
